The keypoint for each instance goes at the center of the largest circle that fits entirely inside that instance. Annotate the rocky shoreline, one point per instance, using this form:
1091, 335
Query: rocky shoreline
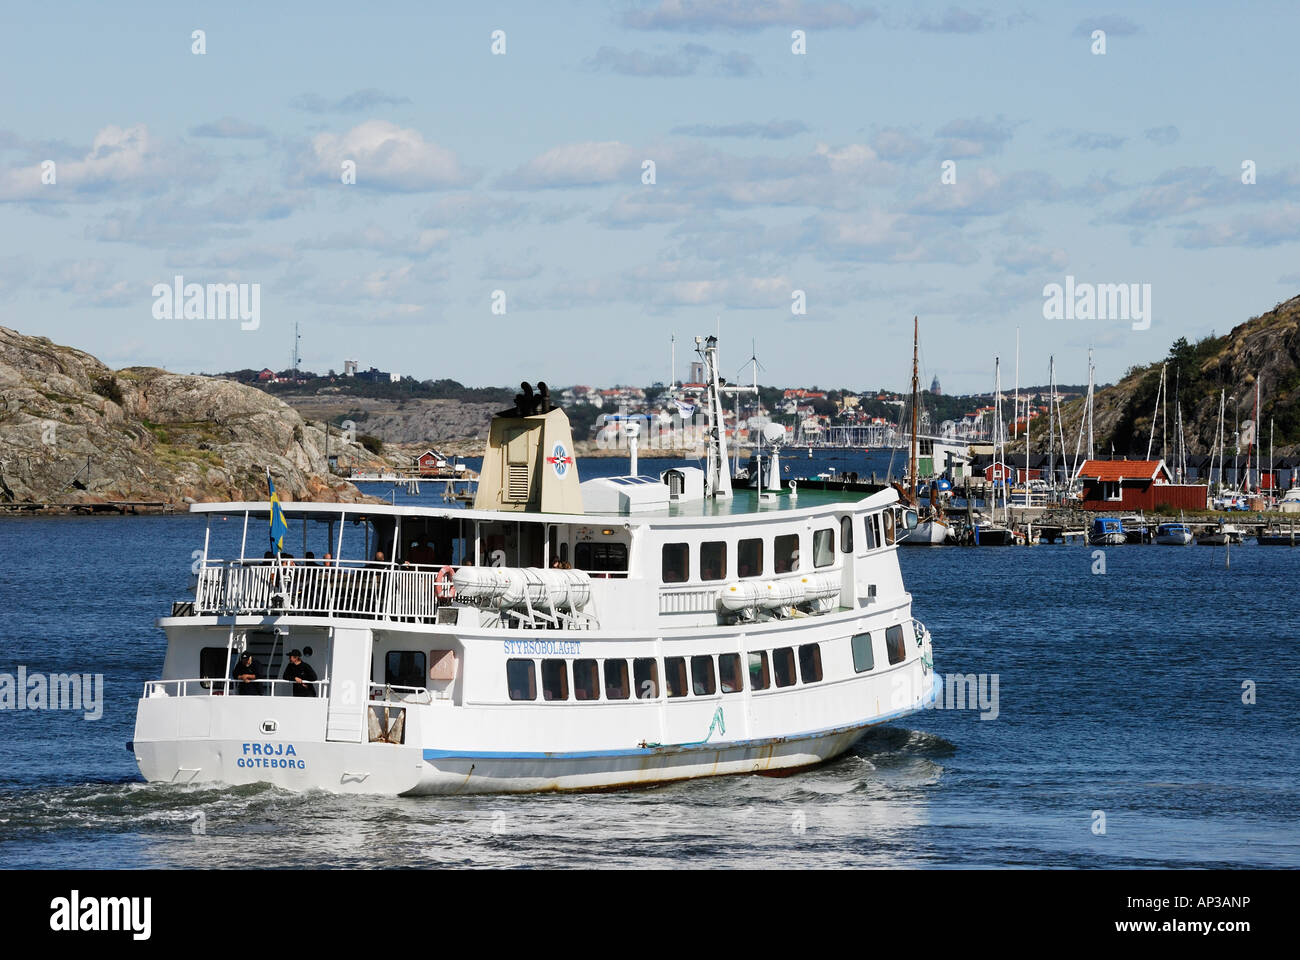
78, 436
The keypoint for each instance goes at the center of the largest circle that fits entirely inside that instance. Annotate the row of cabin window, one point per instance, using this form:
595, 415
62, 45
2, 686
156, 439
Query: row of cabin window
703, 682
785, 551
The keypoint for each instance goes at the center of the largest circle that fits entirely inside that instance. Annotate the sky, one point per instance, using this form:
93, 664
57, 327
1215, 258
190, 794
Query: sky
931, 160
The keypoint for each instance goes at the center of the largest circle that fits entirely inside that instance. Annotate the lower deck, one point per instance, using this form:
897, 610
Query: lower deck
506, 707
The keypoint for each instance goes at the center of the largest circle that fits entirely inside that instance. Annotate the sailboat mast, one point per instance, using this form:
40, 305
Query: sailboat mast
1090, 371
1051, 418
1256, 437
916, 339
1222, 397
999, 468
1164, 419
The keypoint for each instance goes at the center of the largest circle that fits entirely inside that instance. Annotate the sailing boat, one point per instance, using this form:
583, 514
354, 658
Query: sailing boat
933, 530
995, 533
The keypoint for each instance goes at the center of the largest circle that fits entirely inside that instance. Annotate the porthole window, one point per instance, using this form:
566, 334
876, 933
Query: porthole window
864, 658
616, 685
895, 644
713, 560
676, 562
823, 548
702, 682
675, 676
785, 553
521, 679
555, 680
729, 675
810, 662
783, 666
586, 680
645, 673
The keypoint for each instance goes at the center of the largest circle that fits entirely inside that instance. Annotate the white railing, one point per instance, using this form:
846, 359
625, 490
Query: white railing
390, 693
313, 588
691, 600
218, 686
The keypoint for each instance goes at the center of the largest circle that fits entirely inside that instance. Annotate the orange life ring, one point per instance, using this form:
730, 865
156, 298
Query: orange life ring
444, 587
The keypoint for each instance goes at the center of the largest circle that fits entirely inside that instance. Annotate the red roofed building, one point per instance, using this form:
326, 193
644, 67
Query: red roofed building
1135, 485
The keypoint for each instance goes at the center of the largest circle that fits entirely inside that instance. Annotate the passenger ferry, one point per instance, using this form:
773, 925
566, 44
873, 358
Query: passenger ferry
558, 635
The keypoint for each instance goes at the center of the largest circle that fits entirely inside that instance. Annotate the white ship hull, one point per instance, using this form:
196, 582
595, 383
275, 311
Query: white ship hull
391, 769
507, 747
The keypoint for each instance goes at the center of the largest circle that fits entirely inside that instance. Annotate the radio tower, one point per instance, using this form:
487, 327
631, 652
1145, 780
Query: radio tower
296, 357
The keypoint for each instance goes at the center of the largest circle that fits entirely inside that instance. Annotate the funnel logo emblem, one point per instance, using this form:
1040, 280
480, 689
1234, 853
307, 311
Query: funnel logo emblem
560, 460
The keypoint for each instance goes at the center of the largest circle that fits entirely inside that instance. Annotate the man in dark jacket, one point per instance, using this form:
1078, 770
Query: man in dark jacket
302, 675
248, 673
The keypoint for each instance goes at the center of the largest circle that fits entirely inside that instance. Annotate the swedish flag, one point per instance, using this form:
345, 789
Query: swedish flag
278, 527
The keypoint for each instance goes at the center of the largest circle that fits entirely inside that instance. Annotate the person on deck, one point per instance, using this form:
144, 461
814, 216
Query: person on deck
247, 672
301, 674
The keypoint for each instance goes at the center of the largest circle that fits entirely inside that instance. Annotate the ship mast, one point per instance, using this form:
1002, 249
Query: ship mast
717, 469
911, 470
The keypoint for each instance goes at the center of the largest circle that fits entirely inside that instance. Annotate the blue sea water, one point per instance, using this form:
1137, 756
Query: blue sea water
1120, 703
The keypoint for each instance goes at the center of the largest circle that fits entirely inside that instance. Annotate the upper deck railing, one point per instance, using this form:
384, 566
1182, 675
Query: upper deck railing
379, 590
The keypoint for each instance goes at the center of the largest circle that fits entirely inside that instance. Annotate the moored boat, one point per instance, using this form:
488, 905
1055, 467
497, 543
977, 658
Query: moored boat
1106, 531
1221, 534
1174, 534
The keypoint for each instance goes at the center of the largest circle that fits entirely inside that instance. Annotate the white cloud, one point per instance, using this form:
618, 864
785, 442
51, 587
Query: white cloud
387, 158
122, 161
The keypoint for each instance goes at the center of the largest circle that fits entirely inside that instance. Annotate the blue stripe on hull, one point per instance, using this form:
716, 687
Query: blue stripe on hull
431, 755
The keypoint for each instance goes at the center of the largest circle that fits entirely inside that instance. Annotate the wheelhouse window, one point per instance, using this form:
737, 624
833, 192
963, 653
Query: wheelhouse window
810, 662
895, 644
586, 680
759, 678
785, 553
676, 562
616, 685
702, 683
713, 560
846, 534
521, 680
749, 558
645, 671
823, 548
599, 557
869, 524
783, 666
555, 680
675, 676
404, 668
864, 657
729, 674
887, 518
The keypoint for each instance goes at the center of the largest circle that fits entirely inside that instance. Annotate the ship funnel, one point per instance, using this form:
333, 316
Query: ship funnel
529, 464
